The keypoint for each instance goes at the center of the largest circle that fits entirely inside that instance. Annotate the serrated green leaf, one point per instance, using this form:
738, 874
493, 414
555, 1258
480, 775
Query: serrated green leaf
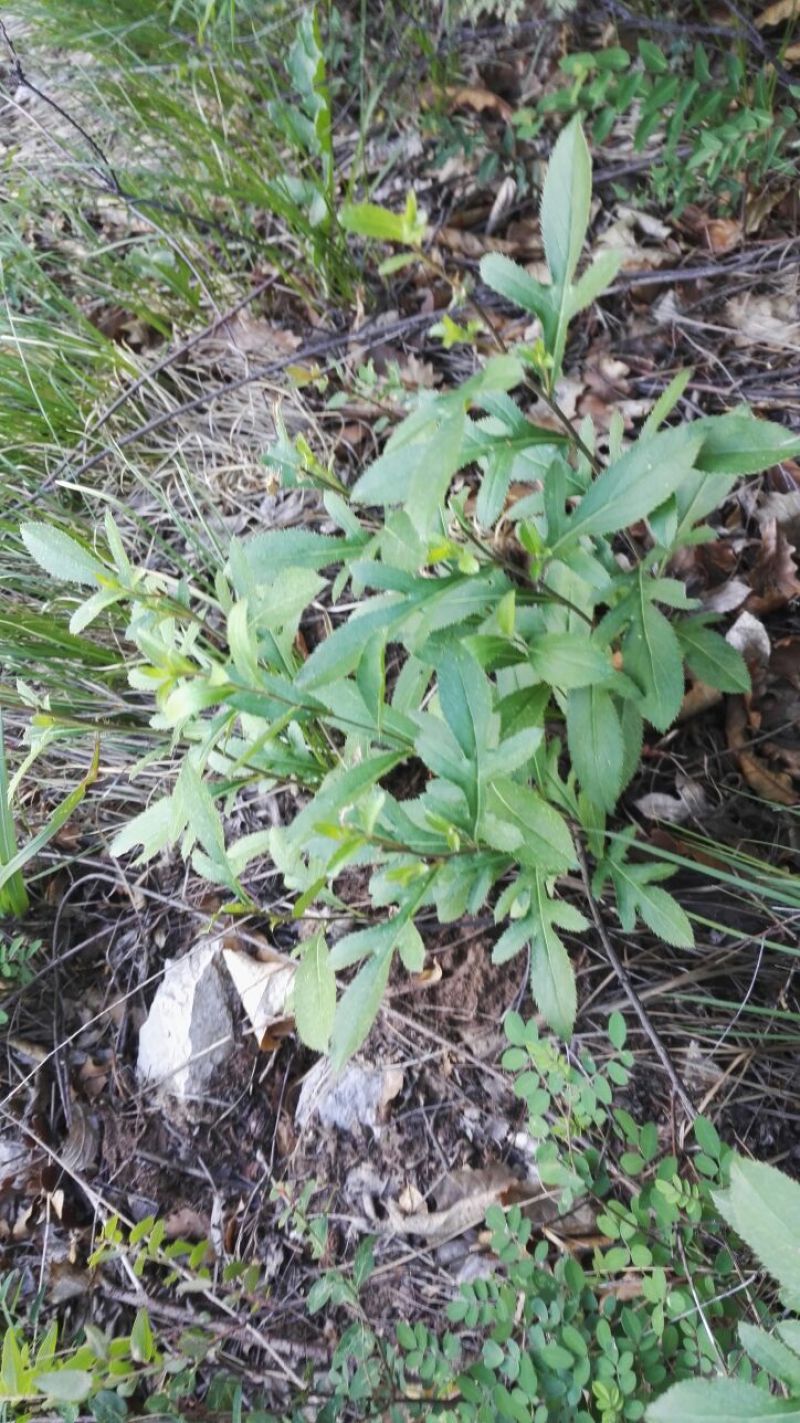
258, 560
552, 974
518, 821
666, 402
419, 467
340, 652
594, 737
358, 1007
595, 280
652, 657
61, 556
720, 1401
466, 700
632, 738
315, 995
511, 281
636, 895
566, 200
763, 1206
770, 1353
635, 484
711, 658
742, 444
567, 660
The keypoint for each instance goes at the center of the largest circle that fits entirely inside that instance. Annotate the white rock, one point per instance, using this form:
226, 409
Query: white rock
356, 1098
189, 1031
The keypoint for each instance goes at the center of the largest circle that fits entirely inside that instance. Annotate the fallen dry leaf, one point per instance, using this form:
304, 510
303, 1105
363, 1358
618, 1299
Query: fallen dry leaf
719, 234
473, 244
472, 96
264, 989
773, 578
751, 639
621, 236
726, 596
764, 320
698, 699
778, 12
506, 194
467, 1196
774, 786
186, 1224
690, 801
784, 509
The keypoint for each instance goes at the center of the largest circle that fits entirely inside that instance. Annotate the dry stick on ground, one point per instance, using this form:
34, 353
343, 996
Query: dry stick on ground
631, 994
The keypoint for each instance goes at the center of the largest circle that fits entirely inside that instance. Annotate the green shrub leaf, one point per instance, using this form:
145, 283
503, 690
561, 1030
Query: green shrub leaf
61, 556
594, 738
566, 200
720, 1401
763, 1206
315, 995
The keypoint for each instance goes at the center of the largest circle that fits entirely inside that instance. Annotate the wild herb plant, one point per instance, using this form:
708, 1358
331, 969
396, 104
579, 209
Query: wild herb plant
518, 676
717, 128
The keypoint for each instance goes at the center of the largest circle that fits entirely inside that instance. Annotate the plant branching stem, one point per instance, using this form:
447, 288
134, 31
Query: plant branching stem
622, 975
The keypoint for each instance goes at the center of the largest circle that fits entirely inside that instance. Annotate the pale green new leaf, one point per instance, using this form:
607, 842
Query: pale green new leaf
566, 201
720, 1401
61, 556
315, 995
151, 828
65, 1385
371, 220
594, 738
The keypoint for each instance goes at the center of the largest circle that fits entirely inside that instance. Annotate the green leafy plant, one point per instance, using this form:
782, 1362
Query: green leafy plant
762, 1205
517, 677
13, 894
736, 131
16, 953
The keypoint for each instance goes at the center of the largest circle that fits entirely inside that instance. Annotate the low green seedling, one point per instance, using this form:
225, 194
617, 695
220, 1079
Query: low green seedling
718, 129
517, 683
